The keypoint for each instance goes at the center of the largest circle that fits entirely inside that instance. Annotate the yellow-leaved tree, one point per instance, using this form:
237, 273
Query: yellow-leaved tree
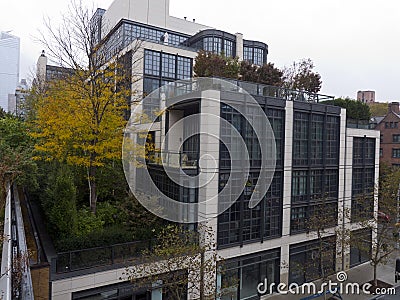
80, 115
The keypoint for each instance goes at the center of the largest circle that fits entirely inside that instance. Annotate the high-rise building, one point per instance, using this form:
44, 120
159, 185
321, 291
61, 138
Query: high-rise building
366, 96
9, 66
16, 101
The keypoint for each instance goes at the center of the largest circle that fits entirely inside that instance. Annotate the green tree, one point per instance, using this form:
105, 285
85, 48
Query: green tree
300, 76
381, 224
182, 262
15, 152
61, 205
355, 110
80, 118
265, 74
378, 109
209, 64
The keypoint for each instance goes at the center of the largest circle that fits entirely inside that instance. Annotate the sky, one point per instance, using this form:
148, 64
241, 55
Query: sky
354, 44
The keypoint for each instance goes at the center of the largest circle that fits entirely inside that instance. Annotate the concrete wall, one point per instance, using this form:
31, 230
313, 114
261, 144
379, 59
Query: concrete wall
151, 12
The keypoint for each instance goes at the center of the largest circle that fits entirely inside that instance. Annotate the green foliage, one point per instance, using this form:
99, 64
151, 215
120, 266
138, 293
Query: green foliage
266, 74
179, 252
2, 113
16, 154
111, 182
100, 237
134, 215
208, 64
88, 222
300, 76
378, 109
62, 214
108, 213
354, 109
58, 199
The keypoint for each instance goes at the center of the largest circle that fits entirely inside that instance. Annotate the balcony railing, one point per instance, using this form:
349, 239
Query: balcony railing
101, 256
184, 160
184, 87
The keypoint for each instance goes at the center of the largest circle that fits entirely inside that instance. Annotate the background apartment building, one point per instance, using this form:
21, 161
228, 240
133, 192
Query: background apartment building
366, 96
389, 129
316, 154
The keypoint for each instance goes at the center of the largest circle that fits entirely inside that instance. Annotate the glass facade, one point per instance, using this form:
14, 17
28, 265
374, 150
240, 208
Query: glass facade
315, 177
159, 69
307, 260
215, 41
241, 275
240, 224
315, 139
360, 246
254, 55
128, 32
363, 179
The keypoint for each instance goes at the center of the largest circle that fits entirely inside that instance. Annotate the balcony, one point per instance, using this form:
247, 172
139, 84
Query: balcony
182, 159
255, 89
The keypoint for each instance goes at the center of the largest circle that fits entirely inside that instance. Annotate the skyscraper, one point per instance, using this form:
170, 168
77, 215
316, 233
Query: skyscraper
9, 66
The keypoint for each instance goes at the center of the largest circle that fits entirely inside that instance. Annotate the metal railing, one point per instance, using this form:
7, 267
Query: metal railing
100, 256
182, 87
184, 160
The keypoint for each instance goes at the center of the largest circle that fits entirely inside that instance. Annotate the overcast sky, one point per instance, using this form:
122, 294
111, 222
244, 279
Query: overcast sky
355, 44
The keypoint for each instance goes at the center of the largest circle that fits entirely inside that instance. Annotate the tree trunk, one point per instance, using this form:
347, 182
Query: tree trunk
92, 188
202, 275
375, 279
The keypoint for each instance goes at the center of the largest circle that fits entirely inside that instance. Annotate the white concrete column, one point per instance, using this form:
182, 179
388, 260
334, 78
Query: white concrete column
342, 249
287, 189
239, 45
287, 168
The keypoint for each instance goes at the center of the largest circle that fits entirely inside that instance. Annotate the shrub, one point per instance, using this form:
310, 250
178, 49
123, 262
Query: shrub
98, 238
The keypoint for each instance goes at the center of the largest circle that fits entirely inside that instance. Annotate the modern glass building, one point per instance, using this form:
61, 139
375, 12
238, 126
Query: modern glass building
317, 163
9, 66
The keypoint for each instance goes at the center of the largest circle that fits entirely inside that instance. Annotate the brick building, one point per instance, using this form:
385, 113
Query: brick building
366, 96
389, 127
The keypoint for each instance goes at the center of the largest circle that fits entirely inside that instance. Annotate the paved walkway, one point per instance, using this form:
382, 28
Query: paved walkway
360, 274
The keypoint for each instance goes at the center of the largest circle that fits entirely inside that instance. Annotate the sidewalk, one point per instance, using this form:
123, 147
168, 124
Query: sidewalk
360, 274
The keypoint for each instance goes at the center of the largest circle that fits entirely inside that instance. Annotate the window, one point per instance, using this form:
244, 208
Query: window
381, 138
363, 179
324, 134
162, 68
242, 275
184, 68
168, 65
276, 119
152, 63
360, 250
363, 151
391, 124
300, 138
396, 153
380, 152
310, 190
258, 58
253, 55
308, 259
228, 48
212, 44
317, 139
248, 54
396, 138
